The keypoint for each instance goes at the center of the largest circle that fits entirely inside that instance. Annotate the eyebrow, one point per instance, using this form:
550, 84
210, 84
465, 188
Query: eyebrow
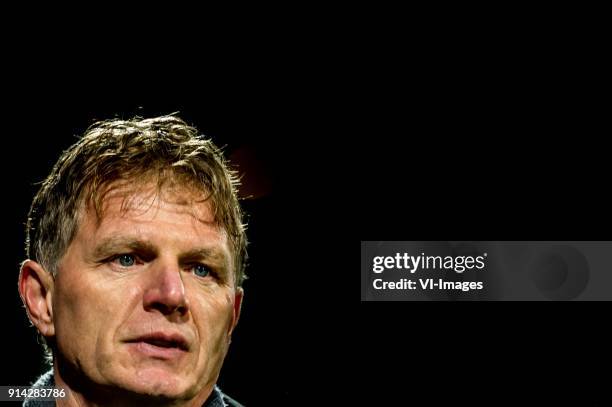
208, 253
113, 245
116, 245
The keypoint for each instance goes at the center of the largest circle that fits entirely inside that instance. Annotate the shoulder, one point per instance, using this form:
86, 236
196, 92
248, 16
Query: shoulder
43, 381
46, 379
220, 399
230, 401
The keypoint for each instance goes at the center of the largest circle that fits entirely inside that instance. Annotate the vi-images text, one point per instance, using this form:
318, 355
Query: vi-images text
427, 284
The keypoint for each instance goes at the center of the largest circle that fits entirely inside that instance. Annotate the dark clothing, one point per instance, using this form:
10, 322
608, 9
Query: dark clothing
216, 399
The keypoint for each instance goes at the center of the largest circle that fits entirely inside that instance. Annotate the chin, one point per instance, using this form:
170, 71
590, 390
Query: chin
160, 383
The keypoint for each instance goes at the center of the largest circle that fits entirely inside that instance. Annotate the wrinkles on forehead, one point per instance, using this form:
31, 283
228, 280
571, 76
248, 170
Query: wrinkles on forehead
139, 197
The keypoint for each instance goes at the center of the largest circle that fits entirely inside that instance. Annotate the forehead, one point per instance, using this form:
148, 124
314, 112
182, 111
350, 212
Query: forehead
131, 198
164, 213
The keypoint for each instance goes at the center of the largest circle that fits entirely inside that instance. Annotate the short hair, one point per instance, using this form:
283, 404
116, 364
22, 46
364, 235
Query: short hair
161, 149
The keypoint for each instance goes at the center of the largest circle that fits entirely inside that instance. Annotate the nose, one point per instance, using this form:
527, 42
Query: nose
165, 291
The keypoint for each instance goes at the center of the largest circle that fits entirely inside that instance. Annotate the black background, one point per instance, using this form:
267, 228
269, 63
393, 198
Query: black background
418, 137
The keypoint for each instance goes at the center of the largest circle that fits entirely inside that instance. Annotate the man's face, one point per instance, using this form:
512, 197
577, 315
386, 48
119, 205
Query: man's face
145, 299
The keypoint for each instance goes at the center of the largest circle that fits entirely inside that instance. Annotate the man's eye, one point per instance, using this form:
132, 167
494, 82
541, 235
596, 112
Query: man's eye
126, 260
201, 270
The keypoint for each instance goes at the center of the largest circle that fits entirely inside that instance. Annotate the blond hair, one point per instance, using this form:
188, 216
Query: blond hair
162, 148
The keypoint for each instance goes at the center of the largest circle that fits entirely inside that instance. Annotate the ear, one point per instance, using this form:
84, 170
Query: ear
36, 292
238, 296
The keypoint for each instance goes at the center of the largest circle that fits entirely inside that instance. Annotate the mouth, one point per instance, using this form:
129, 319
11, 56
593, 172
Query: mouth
162, 342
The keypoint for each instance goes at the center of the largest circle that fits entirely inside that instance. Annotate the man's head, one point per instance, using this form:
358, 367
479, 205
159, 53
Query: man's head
137, 253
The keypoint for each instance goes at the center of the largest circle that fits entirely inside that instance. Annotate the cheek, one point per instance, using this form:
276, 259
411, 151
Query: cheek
86, 313
213, 316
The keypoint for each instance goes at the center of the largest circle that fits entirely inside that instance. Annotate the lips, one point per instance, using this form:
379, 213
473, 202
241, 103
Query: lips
163, 340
